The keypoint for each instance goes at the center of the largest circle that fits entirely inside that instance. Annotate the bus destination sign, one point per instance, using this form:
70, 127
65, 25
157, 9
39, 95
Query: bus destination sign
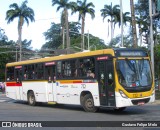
132, 53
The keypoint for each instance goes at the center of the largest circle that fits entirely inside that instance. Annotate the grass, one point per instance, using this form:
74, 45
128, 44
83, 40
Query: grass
157, 94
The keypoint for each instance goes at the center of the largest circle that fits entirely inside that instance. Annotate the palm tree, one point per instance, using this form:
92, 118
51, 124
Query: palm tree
126, 18
65, 5
24, 14
83, 8
133, 24
112, 12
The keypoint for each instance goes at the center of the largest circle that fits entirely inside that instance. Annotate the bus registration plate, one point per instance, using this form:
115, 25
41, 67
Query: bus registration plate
140, 103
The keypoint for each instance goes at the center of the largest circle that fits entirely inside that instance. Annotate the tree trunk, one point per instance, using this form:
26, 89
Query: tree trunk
111, 29
133, 24
63, 28
67, 31
82, 32
20, 24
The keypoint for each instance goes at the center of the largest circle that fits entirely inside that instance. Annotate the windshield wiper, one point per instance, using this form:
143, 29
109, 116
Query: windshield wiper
141, 64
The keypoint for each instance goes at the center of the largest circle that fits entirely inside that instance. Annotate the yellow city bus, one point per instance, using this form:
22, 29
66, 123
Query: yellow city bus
114, 78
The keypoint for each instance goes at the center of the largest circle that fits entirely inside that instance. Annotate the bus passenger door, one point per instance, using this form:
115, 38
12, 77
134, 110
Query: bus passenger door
106, 82
50, 76
19, 87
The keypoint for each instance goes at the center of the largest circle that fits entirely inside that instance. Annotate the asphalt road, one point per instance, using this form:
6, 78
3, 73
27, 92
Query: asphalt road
11, 110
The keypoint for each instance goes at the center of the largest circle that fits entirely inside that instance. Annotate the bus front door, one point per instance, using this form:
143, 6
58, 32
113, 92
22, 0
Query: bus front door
106, 83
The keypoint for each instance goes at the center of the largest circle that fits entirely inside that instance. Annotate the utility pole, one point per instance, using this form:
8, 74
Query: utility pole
133, 24
151, 36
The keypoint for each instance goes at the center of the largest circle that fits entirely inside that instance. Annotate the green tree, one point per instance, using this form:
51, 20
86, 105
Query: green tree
7, 54
156, 60
115, 42
24, 14
83, 8
53, 35
54, 39
113, 12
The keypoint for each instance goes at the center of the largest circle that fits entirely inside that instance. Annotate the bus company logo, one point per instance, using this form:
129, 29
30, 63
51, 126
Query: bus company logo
6, 124
64, 86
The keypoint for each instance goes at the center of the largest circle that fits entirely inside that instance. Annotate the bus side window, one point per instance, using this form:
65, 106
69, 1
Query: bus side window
40, 71
59, 69
25, 76
87, 67
10, 73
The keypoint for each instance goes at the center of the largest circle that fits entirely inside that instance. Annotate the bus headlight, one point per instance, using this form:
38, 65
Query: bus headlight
122, 94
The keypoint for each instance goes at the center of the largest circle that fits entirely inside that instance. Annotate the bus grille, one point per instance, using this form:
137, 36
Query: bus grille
136, 102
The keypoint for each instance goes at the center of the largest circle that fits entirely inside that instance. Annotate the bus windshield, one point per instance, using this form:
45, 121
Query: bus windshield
134, 73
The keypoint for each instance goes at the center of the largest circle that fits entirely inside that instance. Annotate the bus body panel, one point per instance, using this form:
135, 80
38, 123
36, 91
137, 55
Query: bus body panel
39, 89
14, 90
70, 93
126, 102
67, 90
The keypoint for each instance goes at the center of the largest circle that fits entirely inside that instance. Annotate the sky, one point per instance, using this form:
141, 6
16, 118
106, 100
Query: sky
45, 14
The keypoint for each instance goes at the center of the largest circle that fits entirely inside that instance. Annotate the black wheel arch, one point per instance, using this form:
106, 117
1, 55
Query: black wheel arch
83, 93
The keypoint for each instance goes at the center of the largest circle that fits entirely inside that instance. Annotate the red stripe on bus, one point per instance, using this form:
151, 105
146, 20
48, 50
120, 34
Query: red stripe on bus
13, 84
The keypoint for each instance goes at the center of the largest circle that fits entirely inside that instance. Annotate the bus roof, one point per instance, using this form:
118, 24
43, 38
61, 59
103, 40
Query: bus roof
118, 52
61, 57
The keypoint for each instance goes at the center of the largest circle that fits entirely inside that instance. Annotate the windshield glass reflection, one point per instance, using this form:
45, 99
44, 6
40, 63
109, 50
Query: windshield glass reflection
134, 73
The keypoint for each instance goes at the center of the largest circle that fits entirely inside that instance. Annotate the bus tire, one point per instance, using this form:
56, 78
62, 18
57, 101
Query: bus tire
88, 103
31, 99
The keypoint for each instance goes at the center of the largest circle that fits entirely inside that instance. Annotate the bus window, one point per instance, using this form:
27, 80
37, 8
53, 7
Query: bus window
69, 68
59, 69
40, 71
49, 72
87, 67
18, 74
25, 76
31, 71
10, 73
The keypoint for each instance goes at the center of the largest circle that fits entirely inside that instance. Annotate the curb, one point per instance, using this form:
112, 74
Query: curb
156, 102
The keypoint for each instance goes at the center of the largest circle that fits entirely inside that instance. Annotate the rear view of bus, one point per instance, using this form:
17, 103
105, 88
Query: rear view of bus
133, 78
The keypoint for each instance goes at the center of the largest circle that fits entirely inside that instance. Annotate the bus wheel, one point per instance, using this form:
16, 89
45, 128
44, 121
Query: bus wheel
31, 99
120, 109
88, 103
